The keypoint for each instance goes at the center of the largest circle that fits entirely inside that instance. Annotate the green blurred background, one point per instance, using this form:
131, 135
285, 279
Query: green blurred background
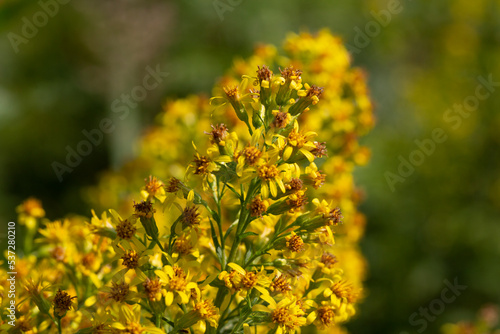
441, 222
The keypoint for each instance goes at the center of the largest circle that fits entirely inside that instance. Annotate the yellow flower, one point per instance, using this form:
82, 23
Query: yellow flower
29, 211
252, 154
280, 284
121, 292
36, 293
177, 284
205, 166
281, 119
331, 216
154, 189
241, 280
208, 312
308, 96
328, 315
287, 315
130, 321
56, 232
236, 96
314, 176
299, 142
175, 190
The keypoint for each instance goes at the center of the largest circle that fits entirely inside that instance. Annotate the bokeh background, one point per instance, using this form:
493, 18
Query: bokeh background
440, 222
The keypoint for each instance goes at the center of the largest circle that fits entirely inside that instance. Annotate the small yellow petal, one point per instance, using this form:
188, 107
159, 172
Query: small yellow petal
169, 298
273, 189
237, 268
307, 154
281, 185
287, 153
270, 300
223, 158
190, 196
311, 317
264, 190
161, 274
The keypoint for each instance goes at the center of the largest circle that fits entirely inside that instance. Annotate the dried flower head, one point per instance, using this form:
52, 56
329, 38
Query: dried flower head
62, 303
295, 243
320, 150
257, 207
125, 229
218, 134
144, 209
153, 289
281, 119
173, 185
264, 74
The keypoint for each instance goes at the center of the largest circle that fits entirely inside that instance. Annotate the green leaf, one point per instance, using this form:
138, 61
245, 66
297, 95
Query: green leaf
216, 241
246, 234
233, 225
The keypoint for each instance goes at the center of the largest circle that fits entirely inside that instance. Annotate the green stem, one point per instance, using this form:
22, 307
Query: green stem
158, 320
223, 315
243, 319
254, 256
219, 223
59, 329
242, 221
28, 239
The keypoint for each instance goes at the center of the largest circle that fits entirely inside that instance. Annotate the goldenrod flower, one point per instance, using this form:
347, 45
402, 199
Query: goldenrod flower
280, 284
130, 322
218, 136
36, 293
56, 232
236, 96
296, 201
246, 203
314, 176
331, 216
208, 312
205, 166
177, 284
241, 280
144, 209
153, 289
29, 211
327, 261
154, 188
291, 82
287, 315
175, 190
299, 142
281, 119
308, 96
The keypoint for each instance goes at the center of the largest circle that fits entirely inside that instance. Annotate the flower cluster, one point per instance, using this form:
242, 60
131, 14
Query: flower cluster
239, 237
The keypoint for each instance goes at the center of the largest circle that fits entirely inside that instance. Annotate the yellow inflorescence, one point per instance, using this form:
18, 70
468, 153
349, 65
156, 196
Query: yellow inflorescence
235, 234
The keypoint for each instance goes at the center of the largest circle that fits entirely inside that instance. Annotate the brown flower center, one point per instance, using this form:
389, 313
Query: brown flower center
130, 259
125, 229
268, 173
